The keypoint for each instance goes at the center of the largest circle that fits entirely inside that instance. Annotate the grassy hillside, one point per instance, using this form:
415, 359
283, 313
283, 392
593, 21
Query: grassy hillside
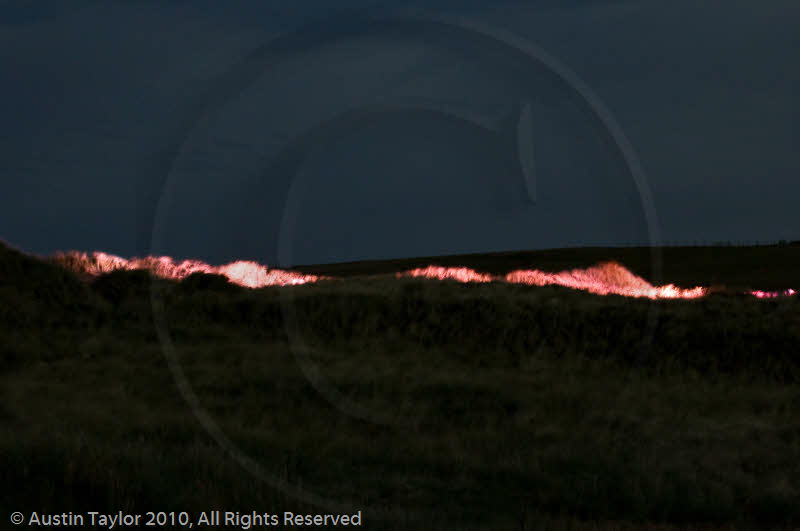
426, 405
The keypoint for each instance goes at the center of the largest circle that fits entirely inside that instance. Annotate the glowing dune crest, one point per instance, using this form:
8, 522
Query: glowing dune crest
254, 275
603, 279
243, 273
461, 274
773, 294
608, 278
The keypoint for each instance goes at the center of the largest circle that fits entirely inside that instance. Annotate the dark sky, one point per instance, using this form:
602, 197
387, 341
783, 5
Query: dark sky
195, 129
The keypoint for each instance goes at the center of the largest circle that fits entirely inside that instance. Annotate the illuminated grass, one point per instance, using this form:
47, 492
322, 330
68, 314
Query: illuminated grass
515, 407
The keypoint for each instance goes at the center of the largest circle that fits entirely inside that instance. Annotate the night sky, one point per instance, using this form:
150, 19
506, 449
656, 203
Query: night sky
233, 130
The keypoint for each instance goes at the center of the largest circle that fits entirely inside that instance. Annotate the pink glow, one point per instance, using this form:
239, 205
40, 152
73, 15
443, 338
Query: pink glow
603, 279
609, 278
773, 294
461, 274
242, 273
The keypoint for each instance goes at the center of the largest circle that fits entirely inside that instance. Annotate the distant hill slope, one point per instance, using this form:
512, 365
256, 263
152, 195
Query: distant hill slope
773, 267
758, 267
48, 311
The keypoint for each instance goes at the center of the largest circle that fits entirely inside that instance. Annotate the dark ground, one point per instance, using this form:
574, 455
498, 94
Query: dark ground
426, 405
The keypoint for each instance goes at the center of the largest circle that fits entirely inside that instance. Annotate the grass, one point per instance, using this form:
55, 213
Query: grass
426, 405
756, 267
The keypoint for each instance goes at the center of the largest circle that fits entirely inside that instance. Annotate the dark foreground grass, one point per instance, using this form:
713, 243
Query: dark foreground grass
425, 405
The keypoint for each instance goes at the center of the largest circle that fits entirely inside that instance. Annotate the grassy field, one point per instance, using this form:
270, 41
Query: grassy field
425, 405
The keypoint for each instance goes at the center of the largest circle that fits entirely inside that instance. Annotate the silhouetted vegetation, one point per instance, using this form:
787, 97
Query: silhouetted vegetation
428, 405
755, 267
